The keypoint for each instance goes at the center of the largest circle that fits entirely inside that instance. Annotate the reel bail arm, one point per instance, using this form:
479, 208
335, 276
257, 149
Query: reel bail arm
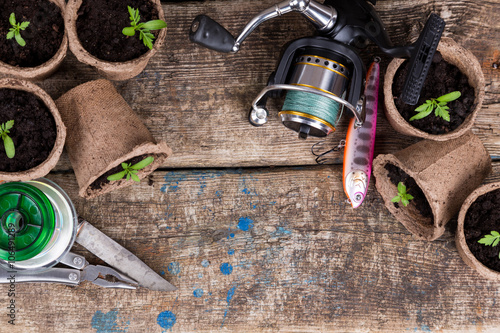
207, 32
259, 113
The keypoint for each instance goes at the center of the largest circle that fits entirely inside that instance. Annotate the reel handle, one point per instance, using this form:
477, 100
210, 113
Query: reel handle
210, 34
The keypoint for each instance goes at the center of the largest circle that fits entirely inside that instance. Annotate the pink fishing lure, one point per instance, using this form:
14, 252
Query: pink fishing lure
360, 143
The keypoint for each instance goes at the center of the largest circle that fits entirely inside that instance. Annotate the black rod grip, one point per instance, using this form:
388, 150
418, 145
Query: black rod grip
421, 59
210, 34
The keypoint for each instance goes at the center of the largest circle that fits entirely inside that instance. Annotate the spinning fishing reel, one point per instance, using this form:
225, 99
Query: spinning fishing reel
324, 74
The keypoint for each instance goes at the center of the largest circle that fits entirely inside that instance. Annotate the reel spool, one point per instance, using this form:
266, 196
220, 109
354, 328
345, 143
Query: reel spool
38, 225
310, 114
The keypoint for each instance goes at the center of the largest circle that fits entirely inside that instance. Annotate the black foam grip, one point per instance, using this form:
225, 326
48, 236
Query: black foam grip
210, 34
421, 59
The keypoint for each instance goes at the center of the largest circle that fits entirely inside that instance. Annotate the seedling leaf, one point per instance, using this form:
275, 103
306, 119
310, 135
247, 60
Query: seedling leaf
128, 31
154, 25
15, 30
131, 171
20, 40
117, 176
10, 149
12, 19
438, 105
449, 97
144, 28
402, 195
144, 163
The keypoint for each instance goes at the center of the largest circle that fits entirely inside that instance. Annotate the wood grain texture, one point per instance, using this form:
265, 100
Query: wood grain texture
302, 261
197, 100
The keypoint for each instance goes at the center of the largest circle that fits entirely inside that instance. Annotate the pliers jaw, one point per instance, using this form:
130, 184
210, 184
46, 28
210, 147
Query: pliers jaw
98, 275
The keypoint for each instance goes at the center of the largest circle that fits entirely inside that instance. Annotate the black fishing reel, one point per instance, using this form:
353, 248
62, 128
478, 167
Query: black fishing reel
324, 74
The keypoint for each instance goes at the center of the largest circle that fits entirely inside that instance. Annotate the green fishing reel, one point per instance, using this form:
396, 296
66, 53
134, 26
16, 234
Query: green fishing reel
37, 224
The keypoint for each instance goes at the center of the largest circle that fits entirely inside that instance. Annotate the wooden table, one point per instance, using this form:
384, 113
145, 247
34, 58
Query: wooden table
254, 200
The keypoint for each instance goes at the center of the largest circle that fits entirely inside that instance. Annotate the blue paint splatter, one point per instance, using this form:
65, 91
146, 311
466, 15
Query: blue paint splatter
162, 272
230, 252
245, 223
246, 191
166, 319
174, 268
198, 293
106, 322
229, 297
205, 263
226, 268
281, 232
218, 193
231, 235
230, 294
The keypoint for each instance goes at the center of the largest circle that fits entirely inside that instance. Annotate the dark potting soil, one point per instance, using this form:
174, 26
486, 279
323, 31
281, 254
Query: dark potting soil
397, 175
43, 36
103, 180
482, 217
34, 132
442, 79
100, 24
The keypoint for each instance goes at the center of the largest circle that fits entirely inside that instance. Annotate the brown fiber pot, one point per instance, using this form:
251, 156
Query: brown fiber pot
103, 132
51, 161
461, 243
46, 69
117, 71
463, 60
446, 172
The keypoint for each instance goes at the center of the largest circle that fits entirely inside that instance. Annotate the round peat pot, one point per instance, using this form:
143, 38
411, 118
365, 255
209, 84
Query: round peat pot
469, 232
38, 225
113, 70
444, 172
452, 54
36, 151
42, 25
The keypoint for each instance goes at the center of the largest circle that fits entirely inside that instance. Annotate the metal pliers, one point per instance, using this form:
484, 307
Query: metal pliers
81, 271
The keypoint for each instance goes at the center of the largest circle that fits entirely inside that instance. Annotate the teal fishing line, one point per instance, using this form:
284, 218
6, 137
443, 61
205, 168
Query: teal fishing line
312, 104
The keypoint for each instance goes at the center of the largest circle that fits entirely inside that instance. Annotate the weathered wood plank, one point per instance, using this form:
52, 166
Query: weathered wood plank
197, 100
302, 261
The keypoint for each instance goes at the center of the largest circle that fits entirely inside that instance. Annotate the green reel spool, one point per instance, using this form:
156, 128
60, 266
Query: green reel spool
27, 221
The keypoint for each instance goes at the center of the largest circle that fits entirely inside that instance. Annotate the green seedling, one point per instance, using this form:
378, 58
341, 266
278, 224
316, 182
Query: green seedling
402, 195
15, 31
144, 28
130, 171
438, 105
492, 240
8, 144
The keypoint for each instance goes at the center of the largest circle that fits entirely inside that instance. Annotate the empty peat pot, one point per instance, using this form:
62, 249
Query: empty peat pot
479, 215
45, 37
96, 39
103, 133
439, 80
38, 133
439, 174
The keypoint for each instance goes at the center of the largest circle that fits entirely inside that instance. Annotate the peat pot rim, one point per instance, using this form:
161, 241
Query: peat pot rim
43, 168
467, 63
461, 243
46, 69
116, 71
161, 152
